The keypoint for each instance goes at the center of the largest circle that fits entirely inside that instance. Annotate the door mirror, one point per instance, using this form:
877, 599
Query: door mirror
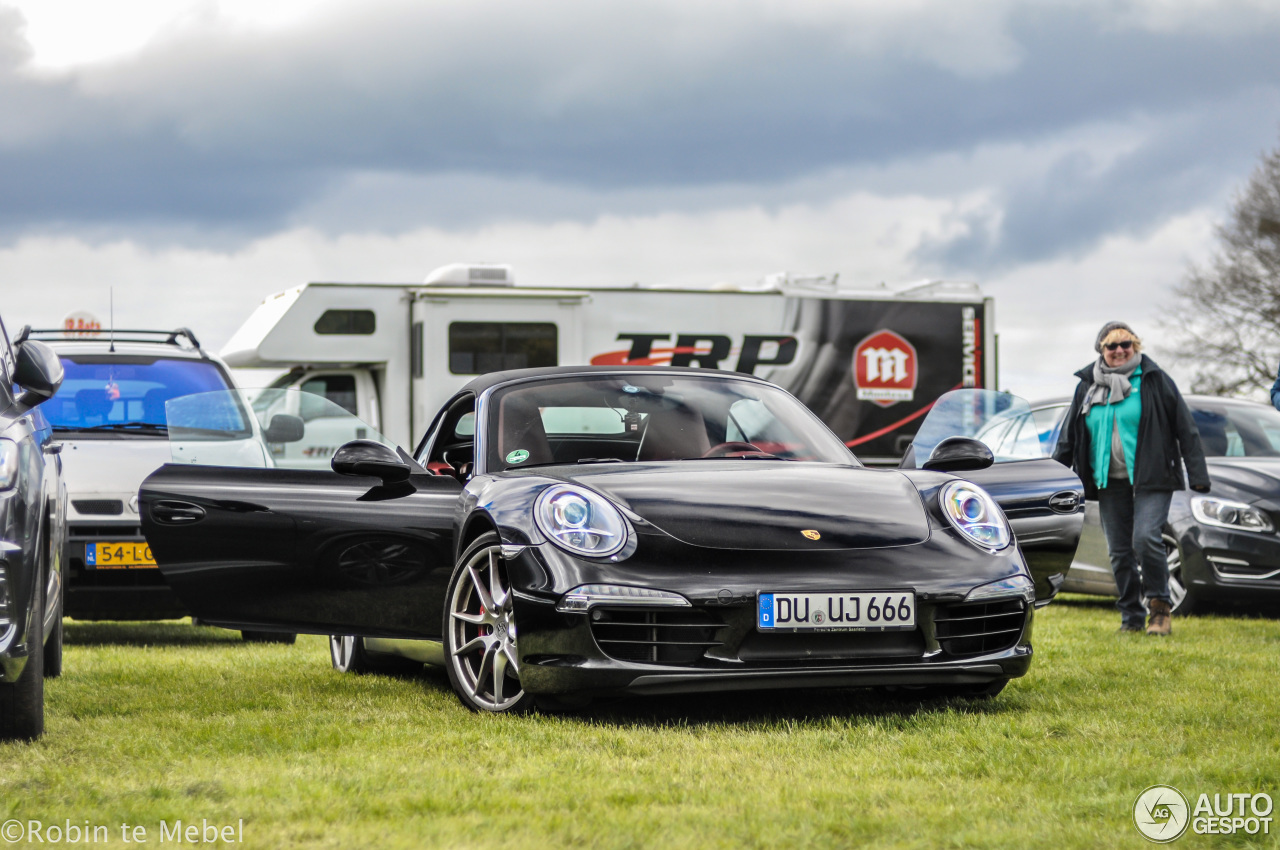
959, 454
366, 457
38, 373
284, 428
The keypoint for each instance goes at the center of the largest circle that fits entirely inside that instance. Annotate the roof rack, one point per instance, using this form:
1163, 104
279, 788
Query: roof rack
102, 335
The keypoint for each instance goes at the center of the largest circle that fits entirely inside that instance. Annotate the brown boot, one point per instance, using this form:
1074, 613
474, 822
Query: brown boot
1159, 623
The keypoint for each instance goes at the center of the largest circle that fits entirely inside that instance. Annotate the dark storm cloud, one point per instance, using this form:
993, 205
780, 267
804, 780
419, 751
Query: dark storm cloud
240, 133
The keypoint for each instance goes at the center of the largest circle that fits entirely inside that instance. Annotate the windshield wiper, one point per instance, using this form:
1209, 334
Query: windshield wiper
756, 456
117, 426
601, 460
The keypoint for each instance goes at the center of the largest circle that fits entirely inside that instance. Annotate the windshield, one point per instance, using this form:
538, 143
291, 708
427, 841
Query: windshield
1237, 430
125, 392
1002, 421
645, 417
286, 429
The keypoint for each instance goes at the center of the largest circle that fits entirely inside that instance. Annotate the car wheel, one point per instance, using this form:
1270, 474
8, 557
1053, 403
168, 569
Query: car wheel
22, 702
249, 636
1183, 599
348, 654
480, 632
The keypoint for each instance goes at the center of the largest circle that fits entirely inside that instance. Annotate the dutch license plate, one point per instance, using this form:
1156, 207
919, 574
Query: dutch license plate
118, 556
814, 612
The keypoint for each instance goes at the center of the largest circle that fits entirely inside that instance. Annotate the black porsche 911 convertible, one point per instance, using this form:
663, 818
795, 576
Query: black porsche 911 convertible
574, 532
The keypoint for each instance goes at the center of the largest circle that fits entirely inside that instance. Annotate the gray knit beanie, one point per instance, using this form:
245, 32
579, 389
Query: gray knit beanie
1108, 328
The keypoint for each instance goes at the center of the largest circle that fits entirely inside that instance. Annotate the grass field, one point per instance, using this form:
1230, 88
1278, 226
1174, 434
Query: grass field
166, 722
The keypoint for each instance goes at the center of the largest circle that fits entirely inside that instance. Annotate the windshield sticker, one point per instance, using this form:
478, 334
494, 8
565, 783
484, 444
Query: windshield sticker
518, 456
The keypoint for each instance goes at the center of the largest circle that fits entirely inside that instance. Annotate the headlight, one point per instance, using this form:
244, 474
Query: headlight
1019, 586
580, 521
8, 464
976, 515
1234, 515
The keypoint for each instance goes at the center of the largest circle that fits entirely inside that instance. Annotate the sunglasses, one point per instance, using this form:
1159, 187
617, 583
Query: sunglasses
1126, 345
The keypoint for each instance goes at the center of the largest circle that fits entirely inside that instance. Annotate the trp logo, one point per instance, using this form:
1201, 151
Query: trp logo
885, 368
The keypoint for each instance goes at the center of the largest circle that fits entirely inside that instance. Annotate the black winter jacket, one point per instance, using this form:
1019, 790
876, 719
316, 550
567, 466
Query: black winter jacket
1167, 436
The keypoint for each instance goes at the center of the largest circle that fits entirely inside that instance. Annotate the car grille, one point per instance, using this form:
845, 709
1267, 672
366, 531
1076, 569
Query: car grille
109, 532
102, 507
655, 636
977, 628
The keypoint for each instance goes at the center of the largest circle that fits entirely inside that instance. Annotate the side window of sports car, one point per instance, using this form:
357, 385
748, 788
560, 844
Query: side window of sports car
451, 450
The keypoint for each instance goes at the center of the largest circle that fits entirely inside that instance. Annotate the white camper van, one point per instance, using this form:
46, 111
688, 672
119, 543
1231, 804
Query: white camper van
869, 362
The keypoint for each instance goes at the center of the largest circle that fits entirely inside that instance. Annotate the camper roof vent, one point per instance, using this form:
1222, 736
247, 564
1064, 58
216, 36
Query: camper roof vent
471, 274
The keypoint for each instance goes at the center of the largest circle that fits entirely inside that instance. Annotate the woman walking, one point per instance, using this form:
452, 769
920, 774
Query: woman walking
1128, 435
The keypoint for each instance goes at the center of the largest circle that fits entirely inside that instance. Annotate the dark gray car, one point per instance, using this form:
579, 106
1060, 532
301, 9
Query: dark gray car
1223, 546
32, 536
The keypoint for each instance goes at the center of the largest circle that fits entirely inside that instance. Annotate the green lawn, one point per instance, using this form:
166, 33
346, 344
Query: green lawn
166, 722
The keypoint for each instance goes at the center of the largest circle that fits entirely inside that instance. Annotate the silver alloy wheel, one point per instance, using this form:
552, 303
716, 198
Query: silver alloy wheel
482, 633
1177, 587
341, 650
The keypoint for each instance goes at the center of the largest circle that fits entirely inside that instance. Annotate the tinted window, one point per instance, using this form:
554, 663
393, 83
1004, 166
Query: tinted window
477, 348
109, 391
351, 322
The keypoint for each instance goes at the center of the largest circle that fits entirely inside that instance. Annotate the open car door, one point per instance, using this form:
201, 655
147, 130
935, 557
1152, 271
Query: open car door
1043, 500
248, 543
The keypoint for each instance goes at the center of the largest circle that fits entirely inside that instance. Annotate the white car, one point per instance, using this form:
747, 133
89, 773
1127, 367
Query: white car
109, 415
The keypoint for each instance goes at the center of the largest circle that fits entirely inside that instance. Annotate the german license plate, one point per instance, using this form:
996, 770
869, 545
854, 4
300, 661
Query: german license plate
118, 556
818, 612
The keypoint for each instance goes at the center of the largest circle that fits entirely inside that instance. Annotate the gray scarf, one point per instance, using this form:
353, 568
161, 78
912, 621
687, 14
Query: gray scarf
1110, 385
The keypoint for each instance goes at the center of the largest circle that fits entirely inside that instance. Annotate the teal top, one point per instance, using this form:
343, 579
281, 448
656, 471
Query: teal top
1101, 421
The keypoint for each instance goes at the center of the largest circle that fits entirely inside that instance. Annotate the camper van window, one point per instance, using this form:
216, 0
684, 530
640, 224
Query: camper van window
477, 348
349, 322
339, 389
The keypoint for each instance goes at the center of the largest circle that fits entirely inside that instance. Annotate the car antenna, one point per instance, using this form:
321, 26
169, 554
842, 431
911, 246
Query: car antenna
112, 313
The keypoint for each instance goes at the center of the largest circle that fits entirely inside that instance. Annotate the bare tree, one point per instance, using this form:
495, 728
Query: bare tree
1226, 315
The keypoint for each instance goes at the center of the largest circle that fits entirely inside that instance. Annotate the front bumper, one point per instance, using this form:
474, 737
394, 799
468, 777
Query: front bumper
121, 594
1231, 566
714, 645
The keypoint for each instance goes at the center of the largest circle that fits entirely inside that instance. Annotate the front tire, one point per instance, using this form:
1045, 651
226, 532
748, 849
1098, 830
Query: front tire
22, 702
480, 632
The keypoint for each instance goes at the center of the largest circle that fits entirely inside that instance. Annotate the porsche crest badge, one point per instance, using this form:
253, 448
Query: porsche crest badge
811, 534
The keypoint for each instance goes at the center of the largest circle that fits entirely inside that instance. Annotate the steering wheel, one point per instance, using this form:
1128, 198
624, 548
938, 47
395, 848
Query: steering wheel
732, 448
457, 454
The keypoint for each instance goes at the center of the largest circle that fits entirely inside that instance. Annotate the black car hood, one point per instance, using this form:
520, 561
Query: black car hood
1253, 478
756, 504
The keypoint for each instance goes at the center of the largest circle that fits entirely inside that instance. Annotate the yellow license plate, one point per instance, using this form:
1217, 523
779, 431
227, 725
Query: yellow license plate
118, 556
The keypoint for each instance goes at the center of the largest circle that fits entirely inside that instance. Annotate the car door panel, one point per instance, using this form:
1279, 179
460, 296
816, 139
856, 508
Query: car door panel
1044, 502
303, 550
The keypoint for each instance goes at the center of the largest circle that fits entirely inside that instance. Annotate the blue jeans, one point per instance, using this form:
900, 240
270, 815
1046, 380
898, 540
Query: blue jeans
1133, 523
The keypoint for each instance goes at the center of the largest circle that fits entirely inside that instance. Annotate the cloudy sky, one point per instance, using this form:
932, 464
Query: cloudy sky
1072, 156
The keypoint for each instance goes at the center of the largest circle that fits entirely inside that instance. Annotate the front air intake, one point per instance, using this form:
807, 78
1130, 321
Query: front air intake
98, 507
655, 636
977, 628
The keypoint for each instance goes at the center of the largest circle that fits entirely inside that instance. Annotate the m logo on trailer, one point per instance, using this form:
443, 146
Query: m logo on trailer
884, 369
